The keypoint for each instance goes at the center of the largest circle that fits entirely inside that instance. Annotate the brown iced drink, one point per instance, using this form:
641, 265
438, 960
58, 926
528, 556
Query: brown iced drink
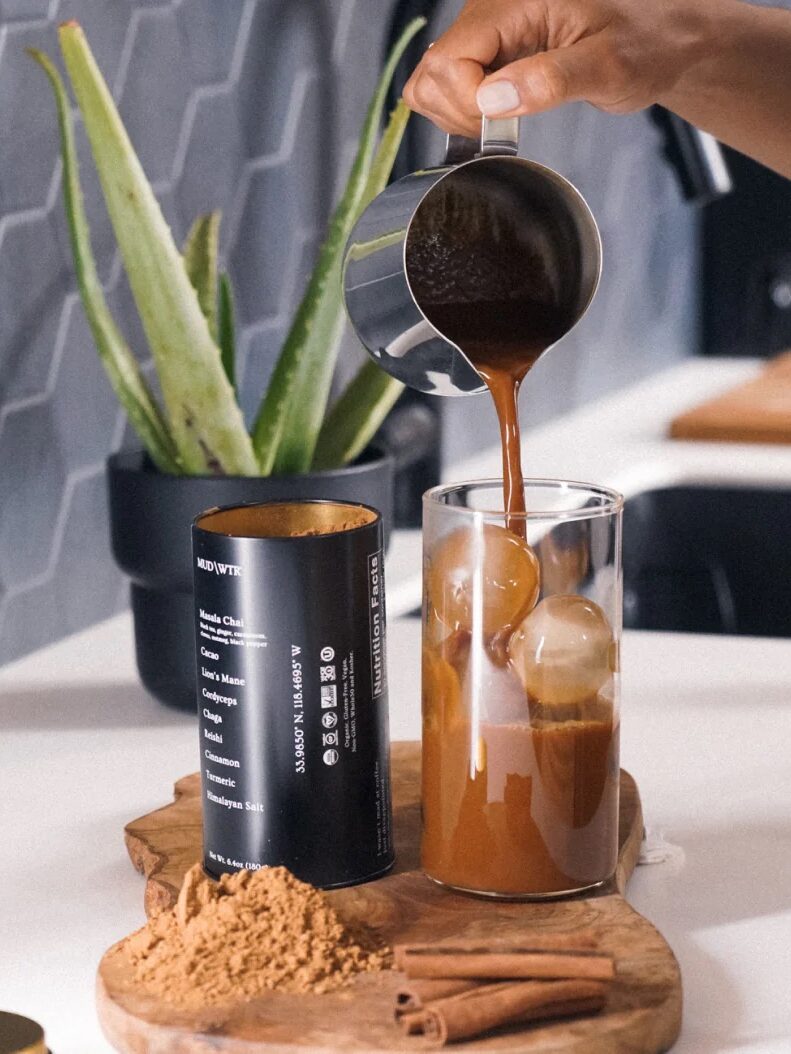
524, 808
520, 734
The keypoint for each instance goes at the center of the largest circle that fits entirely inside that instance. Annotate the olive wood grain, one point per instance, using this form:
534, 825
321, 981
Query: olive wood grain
643, 1015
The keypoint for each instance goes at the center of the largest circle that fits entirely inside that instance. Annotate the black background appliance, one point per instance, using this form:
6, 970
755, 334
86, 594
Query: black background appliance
746, 265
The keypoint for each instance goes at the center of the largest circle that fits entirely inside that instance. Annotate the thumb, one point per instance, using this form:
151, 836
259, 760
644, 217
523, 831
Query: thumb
545, 80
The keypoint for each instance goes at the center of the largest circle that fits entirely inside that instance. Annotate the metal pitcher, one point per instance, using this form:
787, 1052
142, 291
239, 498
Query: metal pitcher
550, 212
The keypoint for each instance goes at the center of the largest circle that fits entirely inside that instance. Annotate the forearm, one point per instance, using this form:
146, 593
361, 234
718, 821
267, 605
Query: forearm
739, 87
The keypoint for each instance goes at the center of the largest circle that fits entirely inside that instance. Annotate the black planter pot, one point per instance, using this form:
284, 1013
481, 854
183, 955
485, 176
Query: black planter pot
150, 518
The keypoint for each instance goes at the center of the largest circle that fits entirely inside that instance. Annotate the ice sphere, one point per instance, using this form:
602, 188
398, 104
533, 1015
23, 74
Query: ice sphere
455, 649
563, 651
492, 691
505, 565
565, 557
441, 692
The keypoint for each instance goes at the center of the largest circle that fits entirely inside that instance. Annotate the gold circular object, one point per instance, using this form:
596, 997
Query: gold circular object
20, 1035
492, 567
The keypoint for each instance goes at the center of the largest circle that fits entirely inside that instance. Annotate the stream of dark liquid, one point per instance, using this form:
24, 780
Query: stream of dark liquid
485, 277
503, 339
512, 806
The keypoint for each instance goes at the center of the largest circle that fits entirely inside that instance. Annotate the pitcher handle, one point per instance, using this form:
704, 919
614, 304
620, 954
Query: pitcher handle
498, 136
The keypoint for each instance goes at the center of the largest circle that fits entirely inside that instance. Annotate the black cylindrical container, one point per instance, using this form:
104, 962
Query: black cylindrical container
292, 689
150, 513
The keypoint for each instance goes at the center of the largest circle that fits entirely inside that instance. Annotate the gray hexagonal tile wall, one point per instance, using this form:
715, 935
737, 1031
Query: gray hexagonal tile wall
210, 32
153, 106
32, 481
33, 282
250, 106
29, 146
24, 10
213, 160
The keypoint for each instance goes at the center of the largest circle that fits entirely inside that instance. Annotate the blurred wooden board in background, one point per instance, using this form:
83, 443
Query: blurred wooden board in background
758, 411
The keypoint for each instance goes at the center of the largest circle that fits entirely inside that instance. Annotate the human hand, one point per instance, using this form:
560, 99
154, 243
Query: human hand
511, 57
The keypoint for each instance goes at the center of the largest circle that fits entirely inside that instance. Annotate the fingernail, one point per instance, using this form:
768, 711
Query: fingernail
497, 97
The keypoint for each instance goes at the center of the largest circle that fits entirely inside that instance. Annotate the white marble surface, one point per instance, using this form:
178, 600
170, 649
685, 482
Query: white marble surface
706, 731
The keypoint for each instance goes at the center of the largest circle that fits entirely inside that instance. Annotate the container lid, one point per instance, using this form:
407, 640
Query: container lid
20, 1035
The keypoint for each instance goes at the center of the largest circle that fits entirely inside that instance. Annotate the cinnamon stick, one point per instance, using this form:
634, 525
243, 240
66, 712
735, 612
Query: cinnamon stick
493, 963
581, 941
414, 995
488, 1007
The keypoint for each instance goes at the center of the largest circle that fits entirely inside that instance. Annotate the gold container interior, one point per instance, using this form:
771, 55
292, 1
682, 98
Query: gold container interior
286, 519
20, 1035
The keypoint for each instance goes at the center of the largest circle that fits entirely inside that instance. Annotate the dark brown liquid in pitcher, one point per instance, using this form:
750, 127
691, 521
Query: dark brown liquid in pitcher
485, 288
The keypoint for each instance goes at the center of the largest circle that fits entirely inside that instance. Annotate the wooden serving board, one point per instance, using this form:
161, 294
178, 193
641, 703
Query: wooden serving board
758, 411
643, 1015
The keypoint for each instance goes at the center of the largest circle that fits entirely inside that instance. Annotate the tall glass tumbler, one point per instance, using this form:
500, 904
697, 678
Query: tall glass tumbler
521, 633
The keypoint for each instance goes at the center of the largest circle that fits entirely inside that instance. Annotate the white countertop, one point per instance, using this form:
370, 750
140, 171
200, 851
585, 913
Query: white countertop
706, 731
619, 441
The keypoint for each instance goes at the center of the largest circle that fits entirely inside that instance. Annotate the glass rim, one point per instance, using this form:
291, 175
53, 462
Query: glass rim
612, 504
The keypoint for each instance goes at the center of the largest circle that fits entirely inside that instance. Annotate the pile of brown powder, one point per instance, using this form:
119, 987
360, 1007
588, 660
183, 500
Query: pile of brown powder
248, 933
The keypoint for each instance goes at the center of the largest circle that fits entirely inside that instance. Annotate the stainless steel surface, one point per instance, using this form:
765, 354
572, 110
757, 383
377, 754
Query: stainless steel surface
499, 136
381, 306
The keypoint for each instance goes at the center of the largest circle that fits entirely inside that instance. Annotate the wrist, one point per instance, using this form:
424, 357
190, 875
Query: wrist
713, 32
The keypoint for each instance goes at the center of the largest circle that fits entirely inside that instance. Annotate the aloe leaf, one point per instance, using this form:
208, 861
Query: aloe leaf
125, 377
309, 407
361, 250
387, 152
205, 420
287, 425
200, 258
355, 417
226, 328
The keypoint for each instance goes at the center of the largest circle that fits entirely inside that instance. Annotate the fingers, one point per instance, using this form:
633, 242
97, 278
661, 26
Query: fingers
589, 70
455, 93
451, 86
444, 91
444, 84
443, 88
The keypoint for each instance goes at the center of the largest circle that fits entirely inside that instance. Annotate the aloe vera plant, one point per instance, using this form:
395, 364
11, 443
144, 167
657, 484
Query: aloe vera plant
186, 306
